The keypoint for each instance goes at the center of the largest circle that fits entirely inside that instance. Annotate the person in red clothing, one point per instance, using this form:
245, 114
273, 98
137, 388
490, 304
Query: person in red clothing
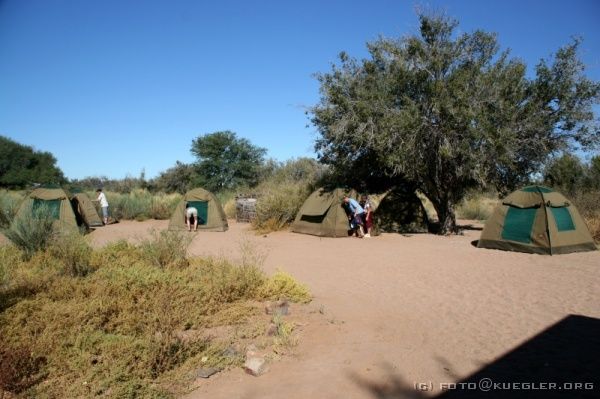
367, 215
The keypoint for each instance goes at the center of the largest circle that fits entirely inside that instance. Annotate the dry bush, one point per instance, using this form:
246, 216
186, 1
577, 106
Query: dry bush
20, 369
166, 248
588, 204
278, 204
477, 206
32, 233
73, 252
9, 205
283, 285
230, 208
121, 331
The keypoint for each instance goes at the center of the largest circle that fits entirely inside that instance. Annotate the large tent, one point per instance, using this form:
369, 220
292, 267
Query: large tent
536, 219
210, 213
55, 199
399, 211
322, 214
85, 209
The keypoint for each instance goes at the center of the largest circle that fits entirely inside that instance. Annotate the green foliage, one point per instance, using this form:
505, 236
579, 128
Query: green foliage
566, 174
225, 161
177, 179
32, 232
21, 165
450, 113
9, 205
283, 285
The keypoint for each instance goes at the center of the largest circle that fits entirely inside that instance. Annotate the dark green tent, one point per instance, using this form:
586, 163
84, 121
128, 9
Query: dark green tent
539, 220
322, 214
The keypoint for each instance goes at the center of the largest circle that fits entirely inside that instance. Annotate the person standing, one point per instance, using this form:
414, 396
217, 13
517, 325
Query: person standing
368, 215
103, 205
356, 215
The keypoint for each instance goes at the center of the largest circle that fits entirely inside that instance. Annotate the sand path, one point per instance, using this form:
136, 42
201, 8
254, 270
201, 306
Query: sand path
418, 308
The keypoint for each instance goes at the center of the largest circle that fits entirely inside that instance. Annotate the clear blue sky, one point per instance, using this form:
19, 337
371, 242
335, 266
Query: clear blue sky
112, 87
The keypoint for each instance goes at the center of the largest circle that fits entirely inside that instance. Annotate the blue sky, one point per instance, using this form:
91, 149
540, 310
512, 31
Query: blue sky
112, 87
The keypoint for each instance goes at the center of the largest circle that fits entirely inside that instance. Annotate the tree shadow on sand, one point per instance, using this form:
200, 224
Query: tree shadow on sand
562, 361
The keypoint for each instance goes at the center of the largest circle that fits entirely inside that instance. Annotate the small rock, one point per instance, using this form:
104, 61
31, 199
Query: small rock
230, 352
272, 329
251, 350
206, 372
280, 307
255, 366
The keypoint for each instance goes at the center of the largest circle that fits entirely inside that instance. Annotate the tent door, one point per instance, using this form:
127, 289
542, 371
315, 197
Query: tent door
202, 207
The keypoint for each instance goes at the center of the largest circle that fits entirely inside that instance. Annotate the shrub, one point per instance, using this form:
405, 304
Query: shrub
477, 206
9, 205
283, 285
230, 209
19, 368
589, 207
166, 249
278, 204
141, 205
74, 253
32, 233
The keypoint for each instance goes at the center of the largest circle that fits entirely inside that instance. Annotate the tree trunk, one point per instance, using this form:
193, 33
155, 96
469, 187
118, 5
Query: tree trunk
446, 216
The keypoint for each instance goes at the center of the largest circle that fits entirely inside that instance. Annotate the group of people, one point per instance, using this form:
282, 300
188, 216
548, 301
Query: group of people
360, 215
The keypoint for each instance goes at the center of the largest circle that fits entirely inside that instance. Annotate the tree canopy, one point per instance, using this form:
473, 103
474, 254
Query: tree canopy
21, 165
225, 161
450, 112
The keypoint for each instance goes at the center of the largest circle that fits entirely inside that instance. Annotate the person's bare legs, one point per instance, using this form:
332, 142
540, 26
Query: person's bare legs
195, 224
187, 222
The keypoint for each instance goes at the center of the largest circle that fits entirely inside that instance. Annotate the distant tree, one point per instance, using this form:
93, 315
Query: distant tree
449, 113
177, 179
593, 173
566, 173
21, 165
225, 161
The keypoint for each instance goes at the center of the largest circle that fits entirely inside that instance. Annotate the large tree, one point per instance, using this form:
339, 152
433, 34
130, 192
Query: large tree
21, 165
450, 112
225, 161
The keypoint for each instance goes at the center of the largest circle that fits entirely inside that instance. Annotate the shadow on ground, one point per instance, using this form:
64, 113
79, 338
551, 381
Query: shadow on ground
566, 354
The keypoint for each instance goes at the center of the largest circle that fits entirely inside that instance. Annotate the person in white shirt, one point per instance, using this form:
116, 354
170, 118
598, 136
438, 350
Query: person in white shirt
103, 204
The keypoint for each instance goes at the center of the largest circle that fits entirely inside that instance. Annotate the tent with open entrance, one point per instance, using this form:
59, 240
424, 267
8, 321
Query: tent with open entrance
398, 211
536, 219
56, 199
85, 211
322, 214
210, 213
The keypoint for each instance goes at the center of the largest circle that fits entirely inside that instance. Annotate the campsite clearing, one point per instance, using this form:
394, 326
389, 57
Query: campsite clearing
397, 310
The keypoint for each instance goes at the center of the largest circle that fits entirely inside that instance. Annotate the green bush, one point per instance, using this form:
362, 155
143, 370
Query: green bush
142, 205
32, 233
278, 204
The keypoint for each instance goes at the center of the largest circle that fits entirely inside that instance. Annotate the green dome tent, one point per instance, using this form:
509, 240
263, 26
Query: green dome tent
56, 199
399, 211
322, 214
536, 219
85, 210
210, 213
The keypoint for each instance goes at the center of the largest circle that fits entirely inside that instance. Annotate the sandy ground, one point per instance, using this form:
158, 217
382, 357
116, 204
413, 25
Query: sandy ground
417, 309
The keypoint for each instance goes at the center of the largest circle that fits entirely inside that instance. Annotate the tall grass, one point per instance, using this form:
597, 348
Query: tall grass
118, 322
477, 206
142, 205
9, 205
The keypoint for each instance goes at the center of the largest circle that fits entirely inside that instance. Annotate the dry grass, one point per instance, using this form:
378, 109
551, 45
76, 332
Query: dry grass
118, 322
477, 206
